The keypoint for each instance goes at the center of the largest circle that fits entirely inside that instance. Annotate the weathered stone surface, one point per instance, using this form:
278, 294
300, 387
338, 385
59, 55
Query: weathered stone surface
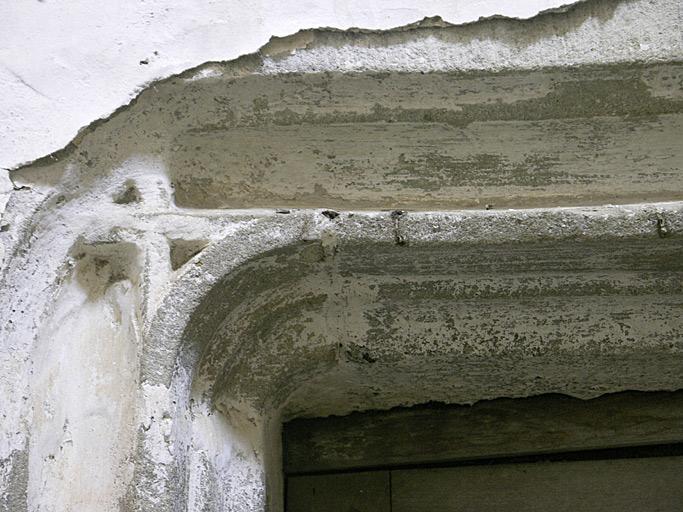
441, 141
555, 137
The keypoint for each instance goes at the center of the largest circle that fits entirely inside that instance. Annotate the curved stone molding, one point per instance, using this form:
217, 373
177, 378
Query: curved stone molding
326, 316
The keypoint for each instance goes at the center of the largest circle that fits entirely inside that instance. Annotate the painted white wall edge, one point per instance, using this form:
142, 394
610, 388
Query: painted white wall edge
66, 64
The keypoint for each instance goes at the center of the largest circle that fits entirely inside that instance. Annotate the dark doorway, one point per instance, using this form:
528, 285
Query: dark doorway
614, 453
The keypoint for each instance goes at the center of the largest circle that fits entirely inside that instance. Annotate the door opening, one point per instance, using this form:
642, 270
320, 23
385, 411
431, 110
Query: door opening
552, 452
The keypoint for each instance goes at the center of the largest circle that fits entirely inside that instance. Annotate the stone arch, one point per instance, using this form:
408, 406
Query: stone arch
575, 300
301, 315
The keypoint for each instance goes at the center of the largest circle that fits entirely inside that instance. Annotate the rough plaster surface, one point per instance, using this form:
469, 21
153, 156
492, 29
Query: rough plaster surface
215, 258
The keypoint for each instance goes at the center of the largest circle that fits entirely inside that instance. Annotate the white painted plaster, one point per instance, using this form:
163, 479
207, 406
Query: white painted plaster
83, 386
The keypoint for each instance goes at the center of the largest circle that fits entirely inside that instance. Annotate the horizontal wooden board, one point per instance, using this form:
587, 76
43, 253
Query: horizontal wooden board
350, 492
488, 429
648, 484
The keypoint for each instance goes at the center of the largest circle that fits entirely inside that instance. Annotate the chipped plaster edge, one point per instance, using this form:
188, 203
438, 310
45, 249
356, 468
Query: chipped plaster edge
282, 47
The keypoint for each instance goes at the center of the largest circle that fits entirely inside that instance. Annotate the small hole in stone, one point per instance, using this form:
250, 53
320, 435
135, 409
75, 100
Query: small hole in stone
130, 194
182, 251
330, 214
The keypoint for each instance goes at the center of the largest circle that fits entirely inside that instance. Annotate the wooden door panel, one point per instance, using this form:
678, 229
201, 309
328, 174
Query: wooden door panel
621, 452
494, 428
619, 485
367, 491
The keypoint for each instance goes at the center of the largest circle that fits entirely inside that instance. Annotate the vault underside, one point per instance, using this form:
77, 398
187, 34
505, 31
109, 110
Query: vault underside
380, 325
